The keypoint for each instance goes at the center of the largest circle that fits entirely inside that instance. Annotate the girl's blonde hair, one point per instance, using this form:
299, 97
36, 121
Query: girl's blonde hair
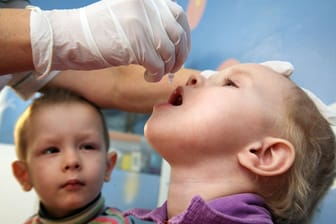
298, 192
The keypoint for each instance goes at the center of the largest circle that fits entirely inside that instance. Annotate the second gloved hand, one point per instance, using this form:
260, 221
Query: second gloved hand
151, 33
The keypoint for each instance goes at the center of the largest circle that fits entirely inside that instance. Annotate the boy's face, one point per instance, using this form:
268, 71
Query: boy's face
67, 161
218, 115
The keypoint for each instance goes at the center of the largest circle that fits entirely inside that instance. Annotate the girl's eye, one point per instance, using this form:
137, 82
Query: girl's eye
87, 147
51, 150
229, 82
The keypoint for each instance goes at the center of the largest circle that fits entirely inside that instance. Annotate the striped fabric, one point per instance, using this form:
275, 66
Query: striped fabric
95, 214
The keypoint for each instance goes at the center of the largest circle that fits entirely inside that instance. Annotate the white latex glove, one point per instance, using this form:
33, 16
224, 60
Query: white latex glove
151, 33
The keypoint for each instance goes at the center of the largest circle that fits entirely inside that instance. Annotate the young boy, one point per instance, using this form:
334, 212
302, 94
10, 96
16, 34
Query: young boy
62, 147
245, 146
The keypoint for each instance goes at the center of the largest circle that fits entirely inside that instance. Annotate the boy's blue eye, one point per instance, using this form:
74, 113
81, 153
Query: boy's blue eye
51, 150
87, 147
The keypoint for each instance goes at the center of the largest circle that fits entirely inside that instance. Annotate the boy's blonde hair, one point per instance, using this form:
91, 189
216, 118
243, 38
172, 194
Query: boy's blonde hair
298, 192
53, 96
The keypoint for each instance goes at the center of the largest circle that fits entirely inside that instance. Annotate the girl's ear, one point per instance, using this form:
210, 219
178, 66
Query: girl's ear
110, 164
271, 157
20, 172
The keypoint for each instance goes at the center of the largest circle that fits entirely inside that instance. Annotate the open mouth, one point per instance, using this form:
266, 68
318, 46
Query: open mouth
176, 98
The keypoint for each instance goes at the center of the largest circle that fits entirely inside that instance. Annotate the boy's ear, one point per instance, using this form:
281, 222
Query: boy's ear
271, 157
110, 164
20, 172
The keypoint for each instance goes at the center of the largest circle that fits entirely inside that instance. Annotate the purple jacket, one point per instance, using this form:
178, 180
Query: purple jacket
243, 208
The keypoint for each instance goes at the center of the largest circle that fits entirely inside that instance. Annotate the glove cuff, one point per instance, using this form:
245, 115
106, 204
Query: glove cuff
41, 35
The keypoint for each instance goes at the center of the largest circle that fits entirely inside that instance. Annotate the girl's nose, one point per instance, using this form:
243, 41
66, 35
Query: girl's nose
196, 80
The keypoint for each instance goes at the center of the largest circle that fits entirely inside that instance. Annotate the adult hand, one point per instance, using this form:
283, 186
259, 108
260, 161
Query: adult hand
151, 33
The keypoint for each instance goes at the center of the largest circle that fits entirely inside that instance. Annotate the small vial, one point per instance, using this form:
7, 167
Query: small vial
149, 77
170, 77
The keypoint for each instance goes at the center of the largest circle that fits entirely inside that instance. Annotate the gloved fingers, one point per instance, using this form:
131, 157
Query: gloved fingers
161, 53
164, 49
154, 56
170, 34
179, 33
171, 30
158, 72
167, 54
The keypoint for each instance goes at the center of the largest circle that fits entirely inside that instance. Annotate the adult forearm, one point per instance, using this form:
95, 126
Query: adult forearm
16, 52
120, 87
